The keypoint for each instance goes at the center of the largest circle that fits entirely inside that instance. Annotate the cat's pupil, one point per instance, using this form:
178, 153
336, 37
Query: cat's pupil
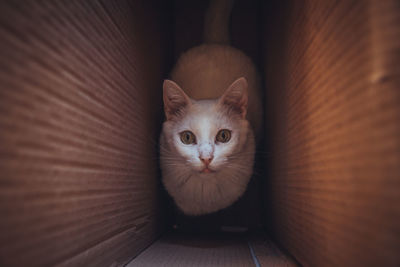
223, 136
187, 137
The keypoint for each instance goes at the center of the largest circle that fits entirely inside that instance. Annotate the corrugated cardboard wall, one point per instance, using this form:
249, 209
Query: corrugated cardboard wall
79, 110
333, 107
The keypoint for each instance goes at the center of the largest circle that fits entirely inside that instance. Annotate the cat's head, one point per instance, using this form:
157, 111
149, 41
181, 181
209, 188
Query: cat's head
206, 134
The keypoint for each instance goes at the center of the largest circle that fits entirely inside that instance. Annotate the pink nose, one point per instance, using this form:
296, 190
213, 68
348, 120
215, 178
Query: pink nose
206, 161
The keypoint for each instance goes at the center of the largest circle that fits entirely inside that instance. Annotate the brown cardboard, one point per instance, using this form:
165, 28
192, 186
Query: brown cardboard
218, 249
80, 111
79, 83
196, 250
333, 107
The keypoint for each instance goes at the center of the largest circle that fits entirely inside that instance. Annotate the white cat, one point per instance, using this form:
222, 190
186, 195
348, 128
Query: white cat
212, 109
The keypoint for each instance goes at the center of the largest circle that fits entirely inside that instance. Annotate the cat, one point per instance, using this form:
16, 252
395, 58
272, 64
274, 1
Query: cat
213, 111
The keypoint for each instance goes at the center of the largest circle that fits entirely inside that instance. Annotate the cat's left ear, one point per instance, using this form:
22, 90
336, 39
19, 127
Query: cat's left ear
175, 99
236, 97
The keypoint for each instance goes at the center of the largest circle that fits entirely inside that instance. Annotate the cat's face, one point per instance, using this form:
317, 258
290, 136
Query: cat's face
206, 133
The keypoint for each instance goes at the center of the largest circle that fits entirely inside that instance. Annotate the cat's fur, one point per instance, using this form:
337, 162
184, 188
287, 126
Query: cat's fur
216, 87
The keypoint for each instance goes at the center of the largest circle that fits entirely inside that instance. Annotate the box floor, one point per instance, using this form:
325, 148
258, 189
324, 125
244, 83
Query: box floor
177, 249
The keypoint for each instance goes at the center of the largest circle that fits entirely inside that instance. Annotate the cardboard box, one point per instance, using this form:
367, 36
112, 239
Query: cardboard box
80, 116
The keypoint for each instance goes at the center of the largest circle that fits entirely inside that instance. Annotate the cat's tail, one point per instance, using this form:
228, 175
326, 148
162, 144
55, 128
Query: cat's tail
216, 23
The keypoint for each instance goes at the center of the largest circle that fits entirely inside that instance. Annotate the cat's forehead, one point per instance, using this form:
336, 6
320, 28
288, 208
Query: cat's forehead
205, 116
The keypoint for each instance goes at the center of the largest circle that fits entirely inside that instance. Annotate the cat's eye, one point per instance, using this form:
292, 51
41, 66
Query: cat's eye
188, 138
223, 136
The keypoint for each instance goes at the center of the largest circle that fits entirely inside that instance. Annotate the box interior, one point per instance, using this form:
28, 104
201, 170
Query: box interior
81, 111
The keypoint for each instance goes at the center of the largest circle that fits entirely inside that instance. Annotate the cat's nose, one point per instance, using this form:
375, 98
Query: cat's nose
207, 160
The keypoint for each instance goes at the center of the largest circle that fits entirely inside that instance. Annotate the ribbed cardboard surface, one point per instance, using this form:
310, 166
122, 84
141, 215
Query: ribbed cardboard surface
333, 115
219, 249
196, 250
267, 254
79, 107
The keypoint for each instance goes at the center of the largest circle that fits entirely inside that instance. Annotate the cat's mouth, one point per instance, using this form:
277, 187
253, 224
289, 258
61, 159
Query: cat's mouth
207, 170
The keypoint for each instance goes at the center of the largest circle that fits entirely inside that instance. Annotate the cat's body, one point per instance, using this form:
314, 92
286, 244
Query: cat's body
207, 143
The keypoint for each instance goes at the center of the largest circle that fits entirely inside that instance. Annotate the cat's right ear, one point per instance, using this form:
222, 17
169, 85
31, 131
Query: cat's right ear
235, 97
175, 99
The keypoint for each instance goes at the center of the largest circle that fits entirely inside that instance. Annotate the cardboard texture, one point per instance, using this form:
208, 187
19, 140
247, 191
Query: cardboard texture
333, 106
267, 254
195, 250
79, 117
80, 113
219, 249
